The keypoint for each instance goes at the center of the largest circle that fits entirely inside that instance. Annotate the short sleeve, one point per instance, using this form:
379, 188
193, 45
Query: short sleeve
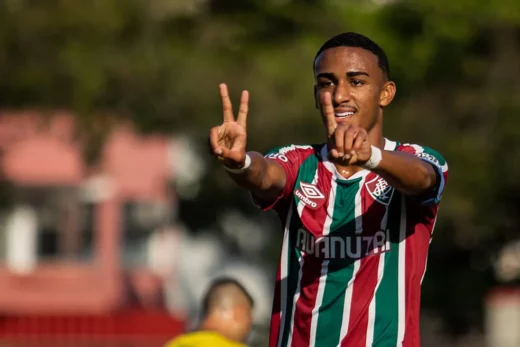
290, 158
433, 196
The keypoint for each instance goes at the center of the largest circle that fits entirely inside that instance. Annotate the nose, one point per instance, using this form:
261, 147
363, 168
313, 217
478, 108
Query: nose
341, 93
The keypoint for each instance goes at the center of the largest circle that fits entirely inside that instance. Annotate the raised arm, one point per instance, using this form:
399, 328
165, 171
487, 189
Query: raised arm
407, 173
264, 178
350, 145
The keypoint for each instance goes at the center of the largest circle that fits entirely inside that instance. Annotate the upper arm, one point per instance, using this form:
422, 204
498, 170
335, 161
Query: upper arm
288, 159
433, 195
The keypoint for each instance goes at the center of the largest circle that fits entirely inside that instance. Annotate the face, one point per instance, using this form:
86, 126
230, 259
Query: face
243, 317
358, 86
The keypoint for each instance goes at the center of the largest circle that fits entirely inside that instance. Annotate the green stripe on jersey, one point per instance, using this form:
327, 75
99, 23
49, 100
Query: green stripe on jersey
307, 171
339, 271
387, 296
293, 270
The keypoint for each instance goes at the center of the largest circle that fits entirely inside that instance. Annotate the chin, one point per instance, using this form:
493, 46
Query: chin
346, 120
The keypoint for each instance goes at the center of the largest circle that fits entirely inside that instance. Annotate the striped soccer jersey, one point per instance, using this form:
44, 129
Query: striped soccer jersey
353, 255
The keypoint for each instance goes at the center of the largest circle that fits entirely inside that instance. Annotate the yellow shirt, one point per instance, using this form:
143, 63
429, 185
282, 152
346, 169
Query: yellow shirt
202, 339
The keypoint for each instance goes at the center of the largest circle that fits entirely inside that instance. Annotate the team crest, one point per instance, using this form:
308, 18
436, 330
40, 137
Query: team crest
310, 195
380, 190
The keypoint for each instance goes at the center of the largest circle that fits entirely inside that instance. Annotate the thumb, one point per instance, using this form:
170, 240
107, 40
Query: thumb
223, 152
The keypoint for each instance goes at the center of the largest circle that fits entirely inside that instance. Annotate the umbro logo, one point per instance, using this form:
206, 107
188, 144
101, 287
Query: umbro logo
310, 195
380, 190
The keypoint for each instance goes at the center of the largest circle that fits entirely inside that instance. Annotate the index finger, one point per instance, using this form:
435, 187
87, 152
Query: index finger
243, 109
327, 111
227, 108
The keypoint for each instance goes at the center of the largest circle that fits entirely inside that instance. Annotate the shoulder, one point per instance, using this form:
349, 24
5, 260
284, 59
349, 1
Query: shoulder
293, 148
184, 338
423, 152
290, 152
202, 338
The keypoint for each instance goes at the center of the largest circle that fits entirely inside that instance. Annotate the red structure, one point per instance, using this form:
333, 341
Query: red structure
65, 301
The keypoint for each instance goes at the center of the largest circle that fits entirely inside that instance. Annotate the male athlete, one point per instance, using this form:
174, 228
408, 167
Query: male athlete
358, 211
226, 317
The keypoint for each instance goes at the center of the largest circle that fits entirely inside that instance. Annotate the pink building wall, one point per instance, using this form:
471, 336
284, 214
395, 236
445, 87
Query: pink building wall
46, 150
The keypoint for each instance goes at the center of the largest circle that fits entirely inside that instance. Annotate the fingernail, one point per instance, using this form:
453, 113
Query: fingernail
347, 156
340, 154
218, 151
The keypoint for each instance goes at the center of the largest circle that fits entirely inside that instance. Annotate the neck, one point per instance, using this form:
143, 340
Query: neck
375, 134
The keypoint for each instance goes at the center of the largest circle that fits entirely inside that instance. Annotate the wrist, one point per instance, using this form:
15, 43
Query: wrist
374, 160
244, 167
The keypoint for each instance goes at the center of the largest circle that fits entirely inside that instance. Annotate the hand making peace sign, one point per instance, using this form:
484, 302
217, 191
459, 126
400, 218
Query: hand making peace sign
348, 143
228, 141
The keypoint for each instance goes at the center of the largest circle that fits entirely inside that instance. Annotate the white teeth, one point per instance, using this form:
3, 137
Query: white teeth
344, 114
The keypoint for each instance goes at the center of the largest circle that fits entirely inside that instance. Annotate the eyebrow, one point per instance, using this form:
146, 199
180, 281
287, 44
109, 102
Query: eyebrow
327, 75
350, 74
357, 73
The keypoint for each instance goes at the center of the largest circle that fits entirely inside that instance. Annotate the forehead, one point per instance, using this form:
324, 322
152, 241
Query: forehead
344, 59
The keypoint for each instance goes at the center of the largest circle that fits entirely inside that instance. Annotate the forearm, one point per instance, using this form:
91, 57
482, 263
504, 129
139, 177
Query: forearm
264, 178
406, 172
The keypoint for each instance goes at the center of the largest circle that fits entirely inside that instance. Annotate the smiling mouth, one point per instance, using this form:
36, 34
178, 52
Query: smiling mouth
344, 114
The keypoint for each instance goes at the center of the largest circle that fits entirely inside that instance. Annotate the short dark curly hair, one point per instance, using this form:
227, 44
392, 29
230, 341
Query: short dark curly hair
351, 39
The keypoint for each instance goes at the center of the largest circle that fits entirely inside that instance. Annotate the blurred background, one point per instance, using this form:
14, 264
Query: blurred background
113, 218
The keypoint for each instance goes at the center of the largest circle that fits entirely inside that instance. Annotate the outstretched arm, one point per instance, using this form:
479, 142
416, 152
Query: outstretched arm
264, 178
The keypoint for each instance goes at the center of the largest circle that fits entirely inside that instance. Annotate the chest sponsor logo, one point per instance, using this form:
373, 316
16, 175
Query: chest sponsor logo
380, 190
310, 195
331, 247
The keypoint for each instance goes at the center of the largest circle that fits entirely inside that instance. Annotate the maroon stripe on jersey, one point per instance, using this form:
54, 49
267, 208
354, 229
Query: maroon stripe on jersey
308, 293
277, 308
366, 277
420, 222
311, 271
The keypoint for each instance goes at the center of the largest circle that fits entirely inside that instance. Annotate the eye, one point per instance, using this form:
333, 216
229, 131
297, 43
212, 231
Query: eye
357, 83
324, 84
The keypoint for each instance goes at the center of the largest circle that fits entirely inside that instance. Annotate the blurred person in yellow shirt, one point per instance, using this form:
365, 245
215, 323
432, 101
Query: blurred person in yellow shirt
227, 317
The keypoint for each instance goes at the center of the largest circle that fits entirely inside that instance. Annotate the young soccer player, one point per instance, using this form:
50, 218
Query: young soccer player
358, 210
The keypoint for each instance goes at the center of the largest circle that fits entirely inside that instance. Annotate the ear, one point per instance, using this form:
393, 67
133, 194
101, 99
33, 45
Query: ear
316, 103
387, 94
